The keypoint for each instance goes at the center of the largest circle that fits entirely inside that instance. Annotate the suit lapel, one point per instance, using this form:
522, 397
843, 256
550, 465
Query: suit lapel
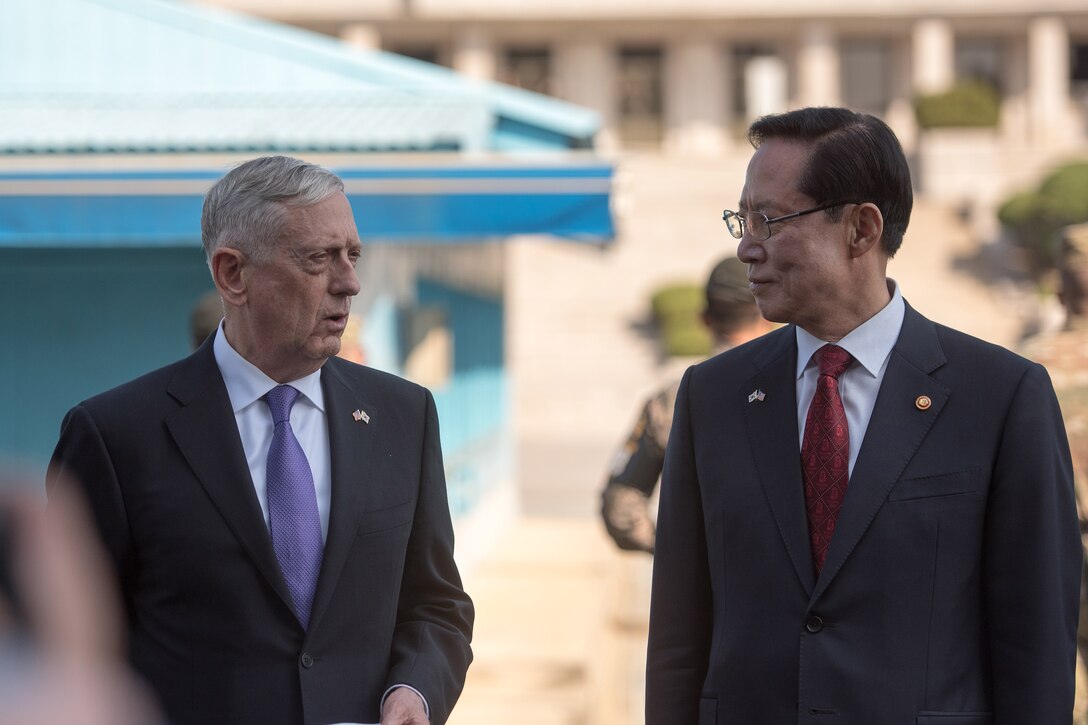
353, 453
204, 430
772, 434
896, 429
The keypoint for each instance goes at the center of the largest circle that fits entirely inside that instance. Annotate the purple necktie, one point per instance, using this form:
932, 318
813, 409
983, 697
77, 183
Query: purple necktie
293, 520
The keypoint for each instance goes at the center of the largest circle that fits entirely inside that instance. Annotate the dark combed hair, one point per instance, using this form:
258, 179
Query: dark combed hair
855, 158
727, 317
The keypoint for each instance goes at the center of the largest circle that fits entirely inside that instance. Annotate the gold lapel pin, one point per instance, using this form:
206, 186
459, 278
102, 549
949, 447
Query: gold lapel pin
360, 415
922, 402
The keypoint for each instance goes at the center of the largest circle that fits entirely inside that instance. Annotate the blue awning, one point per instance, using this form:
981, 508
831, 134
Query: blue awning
403, 202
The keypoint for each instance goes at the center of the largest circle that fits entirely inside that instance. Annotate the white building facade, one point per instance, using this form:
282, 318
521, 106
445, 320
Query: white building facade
687, 76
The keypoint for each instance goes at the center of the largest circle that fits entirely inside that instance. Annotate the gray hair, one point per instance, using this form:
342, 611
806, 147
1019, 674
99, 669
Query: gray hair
247, 209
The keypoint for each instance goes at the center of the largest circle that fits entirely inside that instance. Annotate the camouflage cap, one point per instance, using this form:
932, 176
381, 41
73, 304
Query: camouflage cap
728, 283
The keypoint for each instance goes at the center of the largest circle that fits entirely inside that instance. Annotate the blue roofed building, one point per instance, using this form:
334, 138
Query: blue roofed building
116, 116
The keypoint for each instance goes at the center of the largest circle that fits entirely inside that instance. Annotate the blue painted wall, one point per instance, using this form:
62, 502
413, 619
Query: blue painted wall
75, 322
473, 408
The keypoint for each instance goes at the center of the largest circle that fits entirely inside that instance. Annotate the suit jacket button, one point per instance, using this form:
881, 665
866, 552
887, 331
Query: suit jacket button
814, 624
307, 660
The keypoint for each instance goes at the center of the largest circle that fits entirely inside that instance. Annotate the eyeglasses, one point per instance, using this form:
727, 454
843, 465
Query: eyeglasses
759, 226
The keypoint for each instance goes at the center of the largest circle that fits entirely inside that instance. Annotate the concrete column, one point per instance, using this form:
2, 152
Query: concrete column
1016, 105
695, 97
1048, 79
361, 36
933, 56
474, 53
818, 73
585, 73
900, 113
729, 115
766, 86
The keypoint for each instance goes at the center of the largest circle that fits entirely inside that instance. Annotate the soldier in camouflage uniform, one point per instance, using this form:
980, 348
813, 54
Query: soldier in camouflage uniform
1065, 355
732, 317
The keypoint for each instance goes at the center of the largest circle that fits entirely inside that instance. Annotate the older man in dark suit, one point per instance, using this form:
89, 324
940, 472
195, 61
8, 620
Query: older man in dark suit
890, 535
277, 517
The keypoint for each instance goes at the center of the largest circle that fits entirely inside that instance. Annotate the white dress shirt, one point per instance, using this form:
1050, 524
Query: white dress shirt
246, 386
871, 346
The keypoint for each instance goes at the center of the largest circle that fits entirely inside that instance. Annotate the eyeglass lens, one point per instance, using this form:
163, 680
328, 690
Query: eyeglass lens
755, 221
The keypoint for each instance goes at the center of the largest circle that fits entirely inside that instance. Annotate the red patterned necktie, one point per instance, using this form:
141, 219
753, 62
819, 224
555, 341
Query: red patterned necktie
825, 452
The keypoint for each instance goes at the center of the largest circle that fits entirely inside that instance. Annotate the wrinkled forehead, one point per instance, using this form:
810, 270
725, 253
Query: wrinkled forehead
329, 221
773, 173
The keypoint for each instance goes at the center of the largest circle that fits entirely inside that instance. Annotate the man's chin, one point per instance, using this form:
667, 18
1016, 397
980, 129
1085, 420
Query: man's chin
324, 347
772, 313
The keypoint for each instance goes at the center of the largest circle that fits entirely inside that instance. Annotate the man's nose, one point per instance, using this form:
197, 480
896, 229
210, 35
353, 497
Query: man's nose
345, 280
749, 250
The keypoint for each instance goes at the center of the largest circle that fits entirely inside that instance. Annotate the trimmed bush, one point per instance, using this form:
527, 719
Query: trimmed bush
682, 297
1067, 189
676, 309
1033, 218
686, 340
968, 104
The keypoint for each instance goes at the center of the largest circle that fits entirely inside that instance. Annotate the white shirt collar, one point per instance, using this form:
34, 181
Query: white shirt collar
246, 383
870, 343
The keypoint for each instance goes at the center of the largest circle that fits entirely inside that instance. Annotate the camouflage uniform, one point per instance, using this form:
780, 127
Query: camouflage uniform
1065, 356
625, 503
636, 466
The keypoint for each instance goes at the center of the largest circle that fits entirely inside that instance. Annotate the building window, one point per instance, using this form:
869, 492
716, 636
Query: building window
1078, 61
866, 75
426, 52
640, 101
528, 68
980, 59
1078, 74
760, 83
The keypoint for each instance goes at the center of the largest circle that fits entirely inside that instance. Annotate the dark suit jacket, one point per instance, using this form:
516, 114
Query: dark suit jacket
210, 620
950, 592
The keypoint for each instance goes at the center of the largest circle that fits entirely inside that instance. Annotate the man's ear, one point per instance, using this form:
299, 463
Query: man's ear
867, 224
227, 271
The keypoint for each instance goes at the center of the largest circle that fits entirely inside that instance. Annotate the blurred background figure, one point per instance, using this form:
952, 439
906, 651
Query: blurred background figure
205, 317
1064, 353
351, 344
60, 633
732, 318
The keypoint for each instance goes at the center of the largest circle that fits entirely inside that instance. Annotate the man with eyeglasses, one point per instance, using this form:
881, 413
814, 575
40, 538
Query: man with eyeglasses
866, 518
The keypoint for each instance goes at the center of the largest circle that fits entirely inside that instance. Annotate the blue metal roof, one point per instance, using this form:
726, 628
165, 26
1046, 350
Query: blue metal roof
152, 75
346, 121
86, 80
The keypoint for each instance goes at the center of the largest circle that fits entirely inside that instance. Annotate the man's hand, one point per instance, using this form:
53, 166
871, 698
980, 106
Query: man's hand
404, 707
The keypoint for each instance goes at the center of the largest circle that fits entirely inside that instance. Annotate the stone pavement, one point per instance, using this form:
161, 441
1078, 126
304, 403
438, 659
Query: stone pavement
561, 629
560, 636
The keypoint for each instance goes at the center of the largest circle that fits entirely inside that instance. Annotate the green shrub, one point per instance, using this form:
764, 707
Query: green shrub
682, 298
1067, 190
1033, 218
688, 340
677, 309
968, 104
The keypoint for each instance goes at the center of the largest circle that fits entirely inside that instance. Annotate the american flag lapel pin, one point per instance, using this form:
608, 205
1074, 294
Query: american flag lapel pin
756, 396
360, 415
